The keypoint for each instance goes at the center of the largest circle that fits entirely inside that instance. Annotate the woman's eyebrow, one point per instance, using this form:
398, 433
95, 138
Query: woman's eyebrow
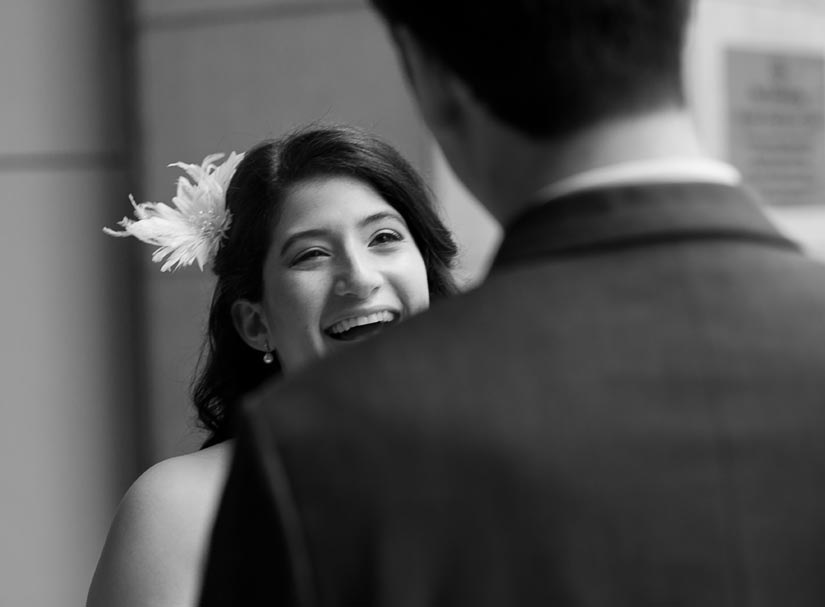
380, 216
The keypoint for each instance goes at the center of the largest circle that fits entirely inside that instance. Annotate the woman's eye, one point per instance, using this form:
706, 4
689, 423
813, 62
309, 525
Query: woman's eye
386, 237
308, 255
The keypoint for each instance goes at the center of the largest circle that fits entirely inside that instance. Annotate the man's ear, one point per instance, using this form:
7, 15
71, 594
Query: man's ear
440, 94
250, 323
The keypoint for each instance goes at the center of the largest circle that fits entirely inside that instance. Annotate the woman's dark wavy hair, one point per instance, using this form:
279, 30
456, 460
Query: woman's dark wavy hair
228, 367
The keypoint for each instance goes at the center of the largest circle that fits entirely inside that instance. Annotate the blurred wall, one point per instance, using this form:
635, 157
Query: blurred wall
66, 313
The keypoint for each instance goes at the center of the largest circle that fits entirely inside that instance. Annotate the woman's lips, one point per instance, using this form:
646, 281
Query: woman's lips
361, 325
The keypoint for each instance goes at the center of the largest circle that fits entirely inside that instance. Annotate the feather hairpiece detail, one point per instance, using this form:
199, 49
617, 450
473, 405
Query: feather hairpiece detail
193, 229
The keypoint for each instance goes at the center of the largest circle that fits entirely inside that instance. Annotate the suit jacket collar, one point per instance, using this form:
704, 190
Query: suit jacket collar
636, 215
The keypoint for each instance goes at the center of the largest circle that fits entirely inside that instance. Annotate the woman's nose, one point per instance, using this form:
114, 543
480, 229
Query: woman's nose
357, 278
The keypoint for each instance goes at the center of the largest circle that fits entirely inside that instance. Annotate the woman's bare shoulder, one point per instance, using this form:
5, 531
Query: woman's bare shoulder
155, 546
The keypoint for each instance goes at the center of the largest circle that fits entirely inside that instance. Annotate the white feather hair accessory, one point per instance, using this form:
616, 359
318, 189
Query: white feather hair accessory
193, 229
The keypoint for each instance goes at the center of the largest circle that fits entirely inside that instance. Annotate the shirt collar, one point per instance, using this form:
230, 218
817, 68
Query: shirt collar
637, 215
654, 171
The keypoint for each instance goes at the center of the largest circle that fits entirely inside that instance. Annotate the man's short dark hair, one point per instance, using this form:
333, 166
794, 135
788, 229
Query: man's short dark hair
549, 67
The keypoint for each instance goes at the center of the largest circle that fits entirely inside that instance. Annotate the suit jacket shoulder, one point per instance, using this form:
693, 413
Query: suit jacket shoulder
635, 392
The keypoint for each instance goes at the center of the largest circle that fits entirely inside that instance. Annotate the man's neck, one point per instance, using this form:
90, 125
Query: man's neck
516, 167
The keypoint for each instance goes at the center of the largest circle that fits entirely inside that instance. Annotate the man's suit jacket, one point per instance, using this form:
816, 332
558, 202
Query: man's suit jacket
629, 411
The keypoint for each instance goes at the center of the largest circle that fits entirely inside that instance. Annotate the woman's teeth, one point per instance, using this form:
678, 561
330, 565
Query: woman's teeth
358, 321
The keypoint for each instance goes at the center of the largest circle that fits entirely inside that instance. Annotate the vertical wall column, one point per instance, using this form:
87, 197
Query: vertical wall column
65, 310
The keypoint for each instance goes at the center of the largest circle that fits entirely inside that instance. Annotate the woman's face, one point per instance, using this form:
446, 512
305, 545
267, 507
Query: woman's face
342, 266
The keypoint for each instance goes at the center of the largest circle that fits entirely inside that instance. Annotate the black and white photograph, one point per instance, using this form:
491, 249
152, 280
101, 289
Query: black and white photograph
412, 303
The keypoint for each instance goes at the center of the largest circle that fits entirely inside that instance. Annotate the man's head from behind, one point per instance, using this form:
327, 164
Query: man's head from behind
548, 68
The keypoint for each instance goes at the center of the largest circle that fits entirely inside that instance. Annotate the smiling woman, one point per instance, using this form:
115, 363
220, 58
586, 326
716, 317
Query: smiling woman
319, 240
342, 265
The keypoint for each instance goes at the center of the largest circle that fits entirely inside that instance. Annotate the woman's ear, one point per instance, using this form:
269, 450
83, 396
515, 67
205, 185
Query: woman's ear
251, 325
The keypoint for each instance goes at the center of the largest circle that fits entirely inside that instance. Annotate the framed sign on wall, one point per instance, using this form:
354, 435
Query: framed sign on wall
776, 124
755, 76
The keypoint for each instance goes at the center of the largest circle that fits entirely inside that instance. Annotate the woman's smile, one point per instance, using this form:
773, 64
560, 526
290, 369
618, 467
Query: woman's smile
361, 325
